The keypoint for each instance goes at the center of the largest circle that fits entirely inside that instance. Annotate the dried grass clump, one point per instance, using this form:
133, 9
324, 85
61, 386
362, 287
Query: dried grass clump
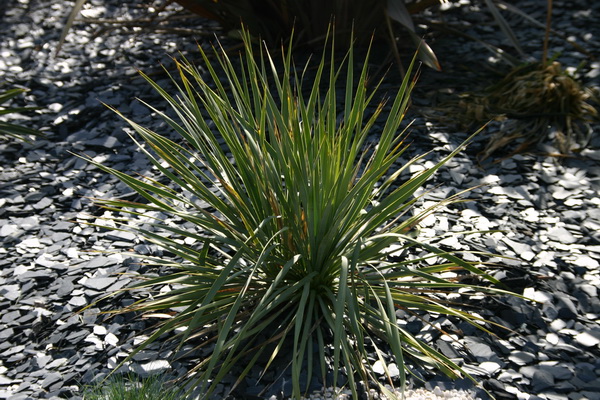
542, 99
537, 102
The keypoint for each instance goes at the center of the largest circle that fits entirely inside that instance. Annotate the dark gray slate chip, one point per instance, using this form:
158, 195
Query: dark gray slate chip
565, 387
593, 386
566, 307
43, 203
109, 142
13, 350
561, 235
480, 350
100, 282
21, 396
42, 274
64, 286
447, 349
6, 334
121, 236
56, 337
15, 357
100, 261
542, 380
63, 226
50, 379
59, 267
559, 372
60, 236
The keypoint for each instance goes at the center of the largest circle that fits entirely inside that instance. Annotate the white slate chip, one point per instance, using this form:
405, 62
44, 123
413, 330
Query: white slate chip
78, 301
561, 194
589, 338
587, 262
111, 339
31, 243
99, 330
560, 234
155, 366
379, 367
490, 366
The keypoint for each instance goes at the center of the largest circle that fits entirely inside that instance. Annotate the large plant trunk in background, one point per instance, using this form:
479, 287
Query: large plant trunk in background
309, 20
353, 20
274, 20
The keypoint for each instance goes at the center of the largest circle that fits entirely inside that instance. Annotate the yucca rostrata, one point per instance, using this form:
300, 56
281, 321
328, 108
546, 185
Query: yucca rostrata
297, 206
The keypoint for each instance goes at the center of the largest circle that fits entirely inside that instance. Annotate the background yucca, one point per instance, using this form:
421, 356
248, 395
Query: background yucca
296, 211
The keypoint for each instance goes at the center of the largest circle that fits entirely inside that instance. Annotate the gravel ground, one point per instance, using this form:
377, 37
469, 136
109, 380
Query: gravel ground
546, 209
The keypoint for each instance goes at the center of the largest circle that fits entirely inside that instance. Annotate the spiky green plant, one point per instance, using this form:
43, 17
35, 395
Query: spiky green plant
9, 129
297, 213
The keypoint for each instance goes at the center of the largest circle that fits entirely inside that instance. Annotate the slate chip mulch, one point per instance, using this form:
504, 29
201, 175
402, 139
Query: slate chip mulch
544, 211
